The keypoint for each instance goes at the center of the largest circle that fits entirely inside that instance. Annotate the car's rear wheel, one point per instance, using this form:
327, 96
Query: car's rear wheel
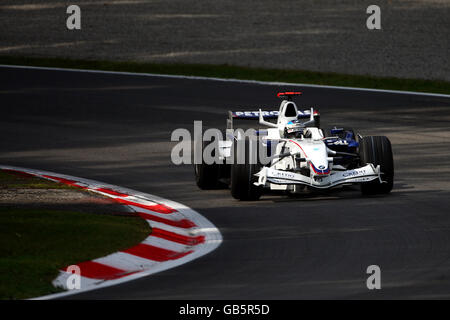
378, 151
207, 175
243, 175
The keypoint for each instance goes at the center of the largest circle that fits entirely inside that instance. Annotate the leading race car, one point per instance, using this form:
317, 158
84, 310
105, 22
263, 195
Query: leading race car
298, 155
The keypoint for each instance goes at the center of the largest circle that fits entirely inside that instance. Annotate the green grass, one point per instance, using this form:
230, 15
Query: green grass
235, 72
36, 243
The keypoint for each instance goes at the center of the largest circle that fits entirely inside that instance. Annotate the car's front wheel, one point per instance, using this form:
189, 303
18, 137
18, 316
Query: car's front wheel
378, 151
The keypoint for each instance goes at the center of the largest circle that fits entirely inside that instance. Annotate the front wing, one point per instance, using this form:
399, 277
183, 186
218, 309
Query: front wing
363, 174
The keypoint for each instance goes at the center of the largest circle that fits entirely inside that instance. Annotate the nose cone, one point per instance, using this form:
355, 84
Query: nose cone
322, 169
317, 154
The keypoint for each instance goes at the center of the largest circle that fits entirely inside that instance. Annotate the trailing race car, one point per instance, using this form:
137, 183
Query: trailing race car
298, 155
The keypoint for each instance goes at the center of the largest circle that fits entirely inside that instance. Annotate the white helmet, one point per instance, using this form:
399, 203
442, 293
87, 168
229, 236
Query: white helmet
293, 129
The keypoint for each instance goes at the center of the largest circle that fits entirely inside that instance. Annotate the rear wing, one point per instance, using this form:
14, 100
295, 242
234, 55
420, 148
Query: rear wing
254, 115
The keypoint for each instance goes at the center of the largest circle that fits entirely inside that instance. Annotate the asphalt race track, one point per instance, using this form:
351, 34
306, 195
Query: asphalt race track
116, 129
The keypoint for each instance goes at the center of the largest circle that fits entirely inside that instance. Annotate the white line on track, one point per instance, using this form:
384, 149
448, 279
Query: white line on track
266, 83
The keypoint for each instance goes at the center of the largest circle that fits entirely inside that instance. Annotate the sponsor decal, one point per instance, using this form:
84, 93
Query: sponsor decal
286, 175
352, 173
255, 114
340, 143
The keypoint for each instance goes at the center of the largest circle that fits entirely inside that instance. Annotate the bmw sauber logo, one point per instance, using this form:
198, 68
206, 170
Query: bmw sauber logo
321, 167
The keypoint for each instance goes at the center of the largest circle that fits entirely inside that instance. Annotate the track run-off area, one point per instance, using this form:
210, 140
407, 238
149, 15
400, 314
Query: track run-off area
116, 128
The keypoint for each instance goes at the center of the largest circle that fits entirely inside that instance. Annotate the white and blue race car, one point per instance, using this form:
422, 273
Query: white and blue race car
297, 155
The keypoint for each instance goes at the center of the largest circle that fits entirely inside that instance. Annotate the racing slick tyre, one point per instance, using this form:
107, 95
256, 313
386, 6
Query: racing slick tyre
207, 175
243, 175
378, 151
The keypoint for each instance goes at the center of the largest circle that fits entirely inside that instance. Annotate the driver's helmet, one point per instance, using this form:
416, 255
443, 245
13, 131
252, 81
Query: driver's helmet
293, 129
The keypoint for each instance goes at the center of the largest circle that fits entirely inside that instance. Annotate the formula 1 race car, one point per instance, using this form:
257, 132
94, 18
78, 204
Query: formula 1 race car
298, 155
